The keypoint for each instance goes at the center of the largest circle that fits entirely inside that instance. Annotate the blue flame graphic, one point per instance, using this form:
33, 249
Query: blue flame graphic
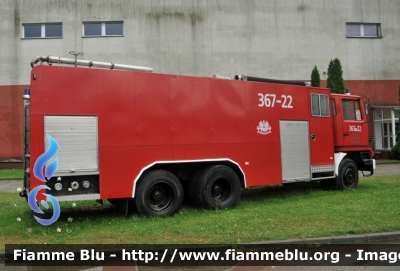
49, 171
34, 206
44, 158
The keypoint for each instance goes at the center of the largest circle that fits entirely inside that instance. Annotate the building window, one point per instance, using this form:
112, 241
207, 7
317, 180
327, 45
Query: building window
41, 31
319, 105
97, 29
363, 30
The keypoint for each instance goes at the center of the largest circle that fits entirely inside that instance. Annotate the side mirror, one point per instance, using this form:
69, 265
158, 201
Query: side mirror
367, 107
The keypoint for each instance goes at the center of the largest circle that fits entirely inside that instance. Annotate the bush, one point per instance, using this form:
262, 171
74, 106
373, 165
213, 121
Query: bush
396, 148
396, 151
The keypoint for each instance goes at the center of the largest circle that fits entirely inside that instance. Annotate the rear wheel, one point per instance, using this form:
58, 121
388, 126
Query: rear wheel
218, 187
348, 175
158, 193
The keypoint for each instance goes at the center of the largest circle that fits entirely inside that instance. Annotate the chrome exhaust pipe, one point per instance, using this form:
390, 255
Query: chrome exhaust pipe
221, 77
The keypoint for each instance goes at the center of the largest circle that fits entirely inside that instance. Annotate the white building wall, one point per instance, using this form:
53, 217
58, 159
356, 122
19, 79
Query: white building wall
276, 39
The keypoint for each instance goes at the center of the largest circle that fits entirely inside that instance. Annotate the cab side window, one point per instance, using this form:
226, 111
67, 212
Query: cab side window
319, 105
334, 108
351, 110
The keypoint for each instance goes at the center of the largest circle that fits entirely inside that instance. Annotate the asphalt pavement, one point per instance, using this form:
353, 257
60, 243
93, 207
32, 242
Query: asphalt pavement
387, 169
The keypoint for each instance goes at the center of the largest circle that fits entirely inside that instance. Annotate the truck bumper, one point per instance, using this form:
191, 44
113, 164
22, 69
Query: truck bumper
368, 165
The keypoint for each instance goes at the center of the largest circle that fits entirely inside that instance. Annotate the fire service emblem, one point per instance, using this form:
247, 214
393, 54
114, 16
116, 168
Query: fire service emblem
264, 128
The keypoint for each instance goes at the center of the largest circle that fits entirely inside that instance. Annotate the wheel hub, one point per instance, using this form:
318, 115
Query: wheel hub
157, 195
221, 190
217, 189
160, 197
349, 176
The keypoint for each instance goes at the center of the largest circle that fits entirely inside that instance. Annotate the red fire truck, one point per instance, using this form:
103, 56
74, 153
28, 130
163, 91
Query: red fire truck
145, 140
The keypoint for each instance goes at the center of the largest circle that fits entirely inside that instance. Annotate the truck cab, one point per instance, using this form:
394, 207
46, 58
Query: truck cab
350, 123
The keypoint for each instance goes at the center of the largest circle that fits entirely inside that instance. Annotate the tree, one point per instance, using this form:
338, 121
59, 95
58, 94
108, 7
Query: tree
315, 78
338, 76
329, 80
335, 77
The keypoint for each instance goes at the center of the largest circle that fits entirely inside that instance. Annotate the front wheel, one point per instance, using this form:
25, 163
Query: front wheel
348, 175
158, 193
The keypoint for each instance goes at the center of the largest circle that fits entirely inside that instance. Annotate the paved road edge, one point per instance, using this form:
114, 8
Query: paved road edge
347, 239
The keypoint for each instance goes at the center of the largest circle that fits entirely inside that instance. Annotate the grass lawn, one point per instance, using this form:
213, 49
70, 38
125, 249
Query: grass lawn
11, 174
268, 213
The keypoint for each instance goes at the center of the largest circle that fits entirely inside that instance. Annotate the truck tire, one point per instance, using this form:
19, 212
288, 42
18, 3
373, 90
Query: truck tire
158, 193
348, 175
193, 196
218, 187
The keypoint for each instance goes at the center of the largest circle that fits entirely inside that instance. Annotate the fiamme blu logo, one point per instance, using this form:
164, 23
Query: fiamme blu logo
47, 163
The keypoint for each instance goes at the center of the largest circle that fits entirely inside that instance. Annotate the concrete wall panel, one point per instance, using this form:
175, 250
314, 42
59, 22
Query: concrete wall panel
278, 39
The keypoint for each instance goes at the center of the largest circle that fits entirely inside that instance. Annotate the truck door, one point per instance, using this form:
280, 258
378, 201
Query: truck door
321, 130
353, 123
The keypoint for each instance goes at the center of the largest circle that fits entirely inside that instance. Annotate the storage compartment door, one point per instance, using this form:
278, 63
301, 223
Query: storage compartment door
295, 151
78, 140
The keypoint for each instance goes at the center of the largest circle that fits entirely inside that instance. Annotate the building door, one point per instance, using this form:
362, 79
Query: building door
386, 123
